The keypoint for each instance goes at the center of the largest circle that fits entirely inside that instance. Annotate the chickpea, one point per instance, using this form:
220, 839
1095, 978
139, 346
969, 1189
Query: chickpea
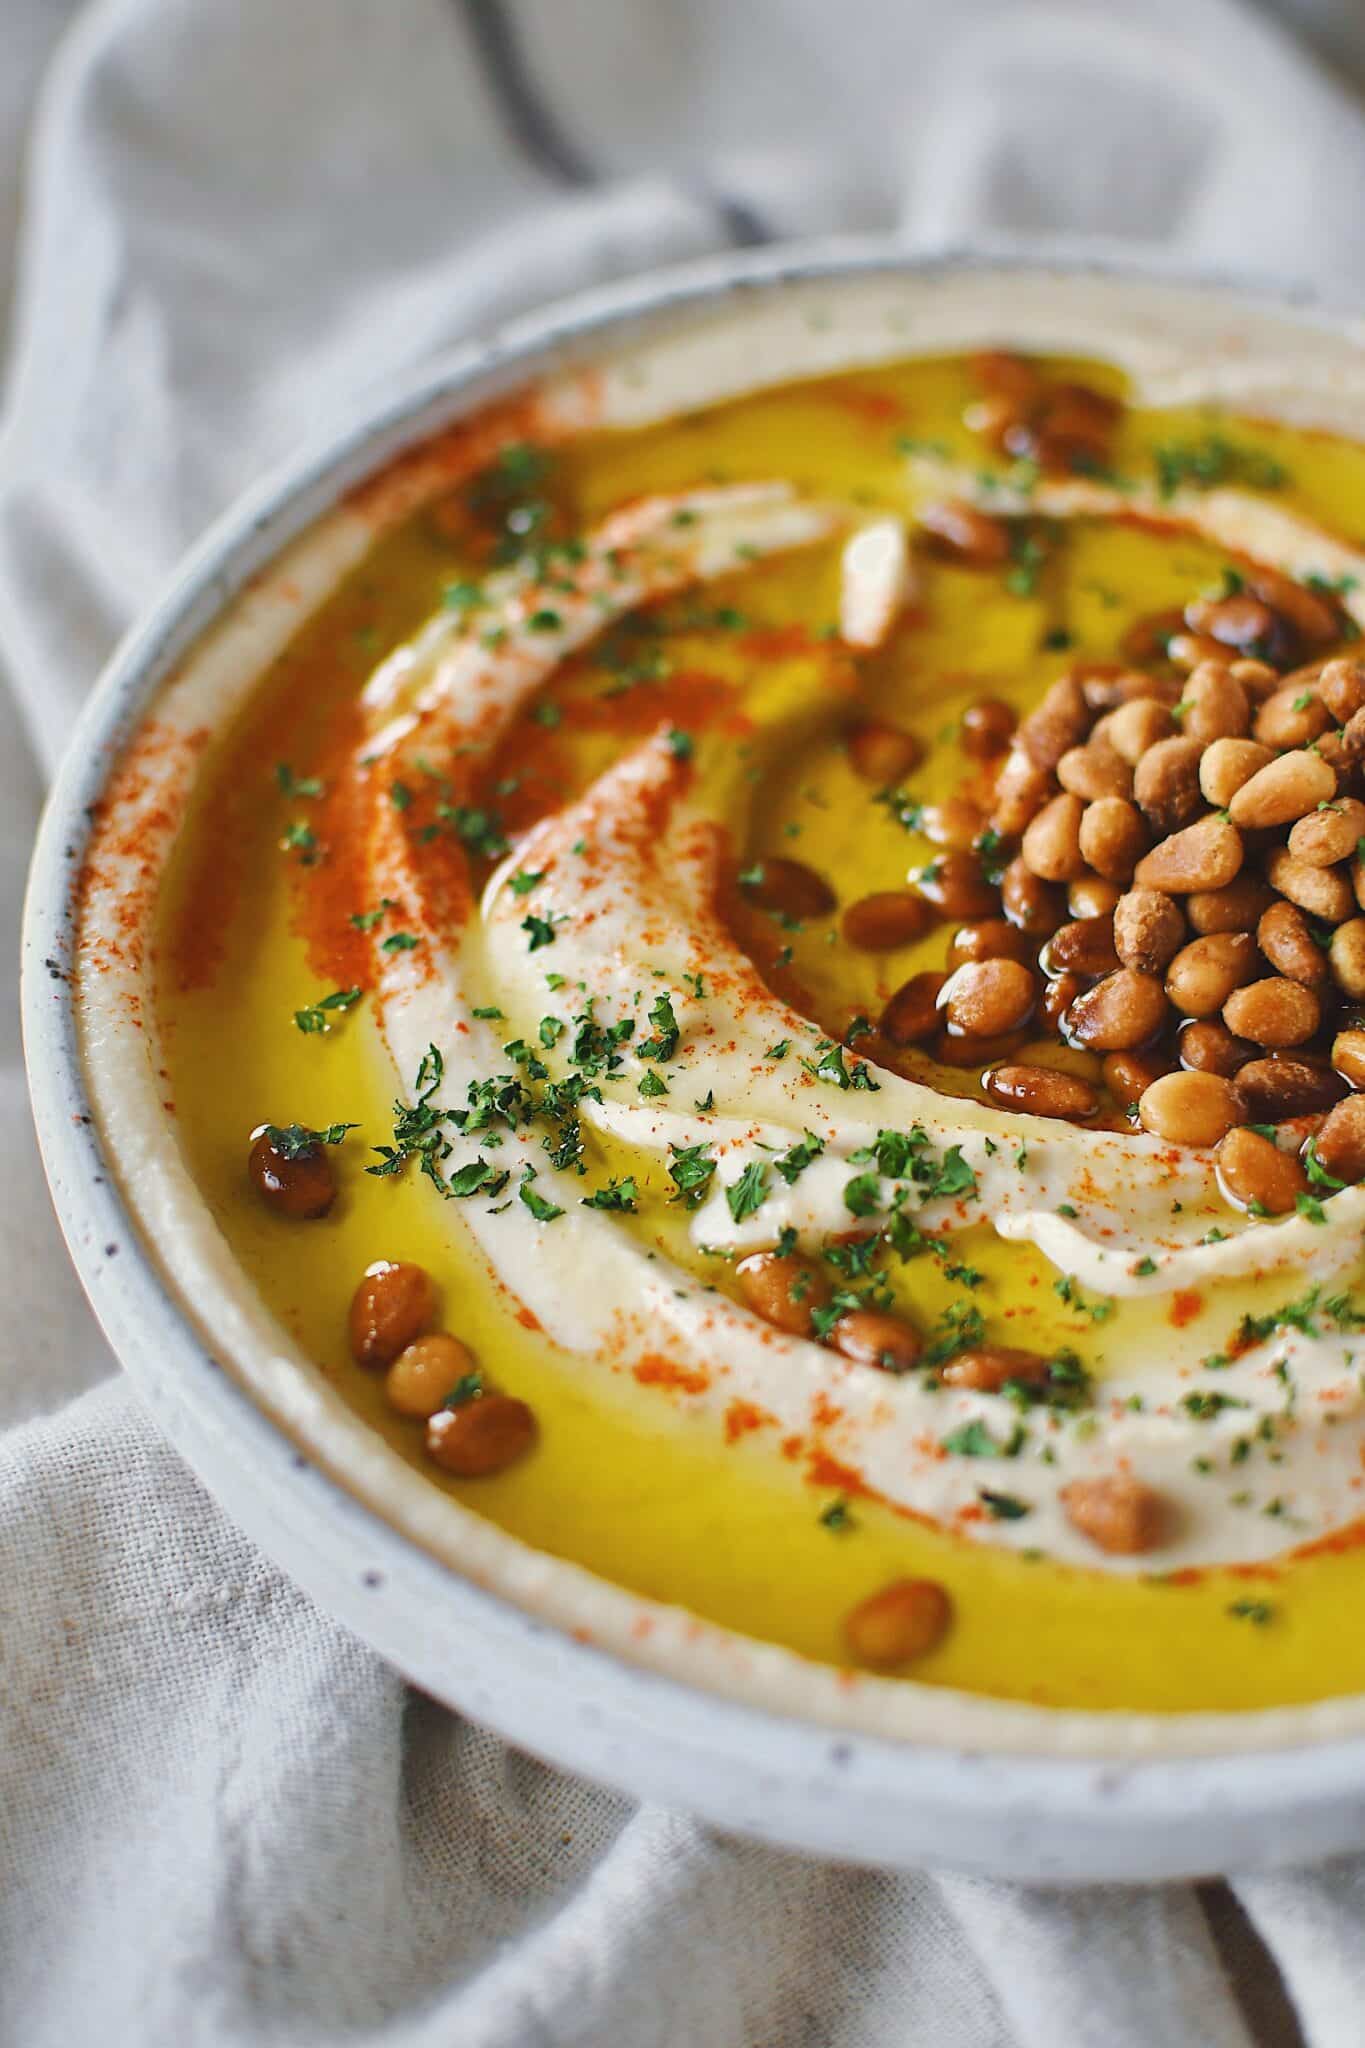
788, 887
870, 1338
1348, 1056
1244, 622
1271, 1090
1313, 615
1292, 717
890, 918
1206, 855
1273, 1012
1330, 834
1059, 722
1128, 1075
1148, 930
1059, 994
1051, 847
1086, 945
784, 1288
290, 1173
1204, 974
955, 885
481, 1436
1347, 956
1147, 638
956, 822
1227, 766
1189, 650
1166, 785
987, 728
912, 1013
426, 1373
1124, 1010
1112, 837
1021, 789
1340, 1143
1042, 1091
985, 998
881, 753
1257, 678
1030, 903
1287, 788
1210, 1048
1118, 1513
390, 1309
991, 938
1283, 935
1190, 1108
988, 1367
1095, 770
1215, 705
906, 1619
972, 538
1322, 892
1090, 895
1138, 725
1235, 908
1254, 1173
1341, 686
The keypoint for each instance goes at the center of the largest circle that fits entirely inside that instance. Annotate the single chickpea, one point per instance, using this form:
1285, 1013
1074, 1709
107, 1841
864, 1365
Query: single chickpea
784, 1288
390, 1308
425, 1374
788, 887
871, 1338
291, 1172
904, 1620
1118, 1514
481, 1436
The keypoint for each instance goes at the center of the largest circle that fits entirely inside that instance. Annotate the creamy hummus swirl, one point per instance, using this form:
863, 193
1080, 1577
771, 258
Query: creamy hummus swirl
627, 880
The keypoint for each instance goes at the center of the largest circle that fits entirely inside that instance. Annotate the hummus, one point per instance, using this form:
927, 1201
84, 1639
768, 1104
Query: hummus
476, 879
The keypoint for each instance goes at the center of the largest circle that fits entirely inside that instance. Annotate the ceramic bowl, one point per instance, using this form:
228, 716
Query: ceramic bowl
699, 1719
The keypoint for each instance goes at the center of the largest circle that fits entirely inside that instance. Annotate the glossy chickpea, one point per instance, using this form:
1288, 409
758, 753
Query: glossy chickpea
391, 1307
426, 1373
291, 1175
481, 1436
902, 1621
784, 1288
882, 753
987, 728
1118, 1513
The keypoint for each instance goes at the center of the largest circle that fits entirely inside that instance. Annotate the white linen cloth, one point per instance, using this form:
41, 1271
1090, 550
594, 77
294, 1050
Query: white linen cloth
222, 1820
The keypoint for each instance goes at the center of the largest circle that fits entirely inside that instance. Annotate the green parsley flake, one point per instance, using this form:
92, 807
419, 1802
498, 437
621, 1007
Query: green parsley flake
315, 1018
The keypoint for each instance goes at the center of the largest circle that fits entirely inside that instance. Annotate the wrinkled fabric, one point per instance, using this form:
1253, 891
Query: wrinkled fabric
222, 1819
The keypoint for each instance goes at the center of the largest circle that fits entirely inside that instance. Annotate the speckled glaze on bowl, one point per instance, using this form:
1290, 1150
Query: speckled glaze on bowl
702, 1720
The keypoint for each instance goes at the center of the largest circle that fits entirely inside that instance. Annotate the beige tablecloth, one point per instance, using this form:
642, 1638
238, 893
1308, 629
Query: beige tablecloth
221, 1819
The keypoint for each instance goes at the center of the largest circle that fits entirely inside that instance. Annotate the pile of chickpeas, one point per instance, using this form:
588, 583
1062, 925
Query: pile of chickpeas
1174, 885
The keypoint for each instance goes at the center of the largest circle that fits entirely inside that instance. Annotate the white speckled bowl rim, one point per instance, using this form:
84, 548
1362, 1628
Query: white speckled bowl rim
1273, 1788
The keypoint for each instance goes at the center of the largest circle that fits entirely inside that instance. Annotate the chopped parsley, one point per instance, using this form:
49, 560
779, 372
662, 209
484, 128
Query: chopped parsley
297, 785
620, 1195
691, 1170
746, 1196
1211, 461
366, 920
543, 1211
1003, 1507
315, 1018
296, 1141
